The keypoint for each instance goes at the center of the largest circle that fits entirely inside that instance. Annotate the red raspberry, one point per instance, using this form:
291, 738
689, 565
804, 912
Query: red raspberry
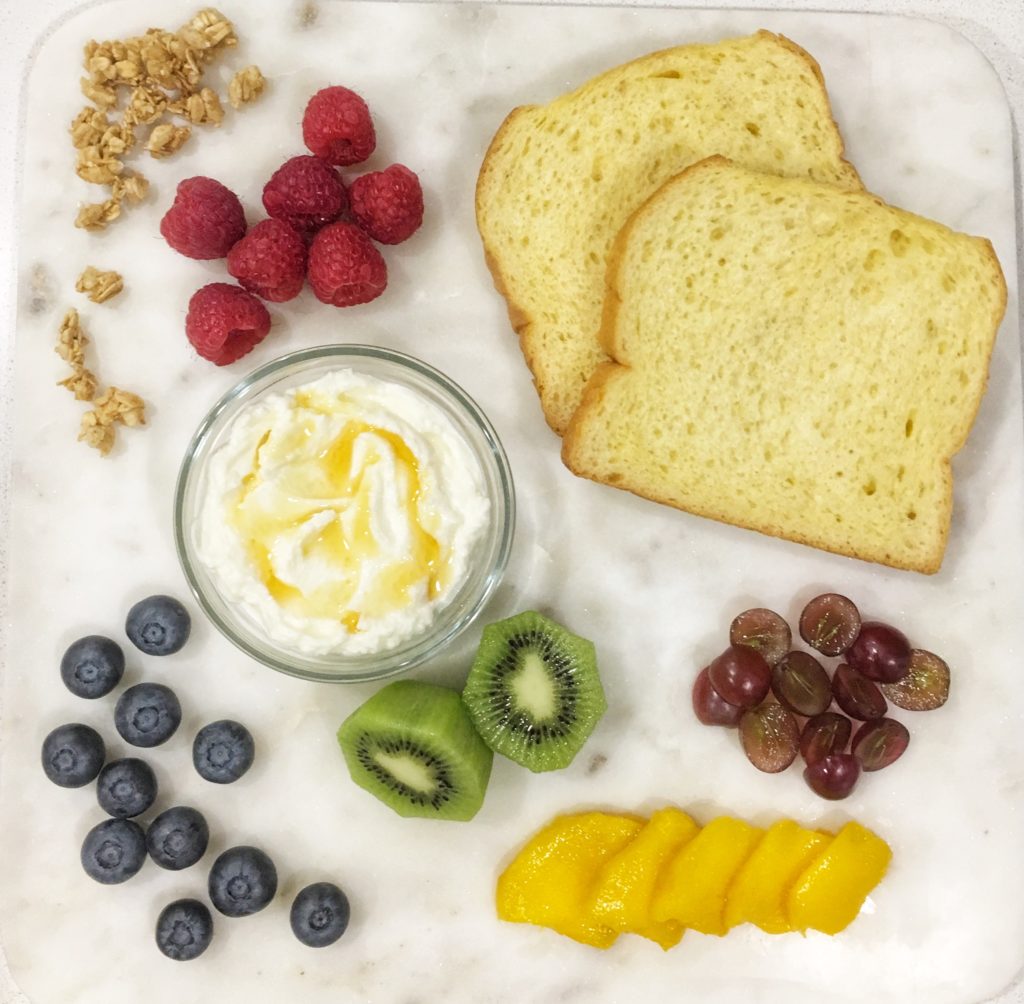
305, 192
337, 126
225, 322
270, 261
345, 267
388, 204
205, 220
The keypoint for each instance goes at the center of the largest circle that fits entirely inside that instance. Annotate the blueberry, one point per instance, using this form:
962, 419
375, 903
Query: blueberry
158, 625
184, 930
92, 666
177, 838
223, 751
126, 787
147, 714
73, 755
320, 914
243, 880
114, 851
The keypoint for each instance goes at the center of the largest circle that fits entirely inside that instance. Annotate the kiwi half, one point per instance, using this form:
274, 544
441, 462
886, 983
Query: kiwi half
533, 692
413, 745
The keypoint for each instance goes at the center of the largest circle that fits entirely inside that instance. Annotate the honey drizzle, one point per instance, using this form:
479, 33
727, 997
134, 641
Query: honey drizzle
329, 482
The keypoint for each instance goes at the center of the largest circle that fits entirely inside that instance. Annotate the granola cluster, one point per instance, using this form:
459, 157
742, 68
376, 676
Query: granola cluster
246, 86
71, 343
155, 82
99, 286
112, 407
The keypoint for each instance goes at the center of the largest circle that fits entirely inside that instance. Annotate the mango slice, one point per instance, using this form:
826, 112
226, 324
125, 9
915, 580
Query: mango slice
693, 886
551, 880
829, 893
758, 893
625, 884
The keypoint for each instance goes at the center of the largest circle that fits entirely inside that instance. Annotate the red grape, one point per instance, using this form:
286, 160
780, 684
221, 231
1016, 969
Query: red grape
824, 735
857, 695
740, 676
763, 630
926, 685
880, 653
833, 776
880, 743
830, 623
770, 737
801, 684
709, 708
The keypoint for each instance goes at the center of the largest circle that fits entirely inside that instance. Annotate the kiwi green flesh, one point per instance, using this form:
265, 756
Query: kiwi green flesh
414, 747
534, 692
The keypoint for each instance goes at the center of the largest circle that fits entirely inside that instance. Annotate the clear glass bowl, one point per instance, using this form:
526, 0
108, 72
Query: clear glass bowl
490, 555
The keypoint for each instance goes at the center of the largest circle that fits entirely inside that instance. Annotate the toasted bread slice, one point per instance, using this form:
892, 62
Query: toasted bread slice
559, 180
791, 358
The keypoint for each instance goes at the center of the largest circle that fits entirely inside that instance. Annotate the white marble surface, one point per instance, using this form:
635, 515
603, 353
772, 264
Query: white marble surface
927, 126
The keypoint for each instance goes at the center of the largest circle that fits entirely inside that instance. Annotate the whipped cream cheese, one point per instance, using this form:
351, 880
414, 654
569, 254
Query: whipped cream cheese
341, 515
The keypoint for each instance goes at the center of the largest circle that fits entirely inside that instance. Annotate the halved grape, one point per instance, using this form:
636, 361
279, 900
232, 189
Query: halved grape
926, 685
763, 630
830, 623
880, 743
833, 776
770, 737
709, 708
857, 695
880, 653
740, 676
801, 684
824, 735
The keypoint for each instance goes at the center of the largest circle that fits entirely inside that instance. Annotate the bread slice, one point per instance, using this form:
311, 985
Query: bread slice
791, 358
559, 180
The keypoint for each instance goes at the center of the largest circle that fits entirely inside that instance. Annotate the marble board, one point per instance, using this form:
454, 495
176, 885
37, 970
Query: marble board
927, 126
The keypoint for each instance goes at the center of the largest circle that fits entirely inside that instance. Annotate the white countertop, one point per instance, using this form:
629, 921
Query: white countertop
996, 27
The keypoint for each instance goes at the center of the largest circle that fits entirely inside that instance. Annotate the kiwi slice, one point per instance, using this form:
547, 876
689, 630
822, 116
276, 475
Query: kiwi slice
533, 692
413, 746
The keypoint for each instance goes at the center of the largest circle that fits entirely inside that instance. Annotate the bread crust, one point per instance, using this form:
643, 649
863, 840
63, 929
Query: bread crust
618, 367
522, 323
518, 316
799, 50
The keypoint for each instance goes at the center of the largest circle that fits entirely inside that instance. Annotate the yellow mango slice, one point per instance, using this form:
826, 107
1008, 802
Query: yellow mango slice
551, 880
692, 889
830, 891
625, 884
758, 893
668, 934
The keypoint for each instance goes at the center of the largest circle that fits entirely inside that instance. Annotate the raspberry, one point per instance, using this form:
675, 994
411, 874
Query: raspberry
225, 322
205, 220
345, 267
337, 126
305, 192
270, 261
388, 204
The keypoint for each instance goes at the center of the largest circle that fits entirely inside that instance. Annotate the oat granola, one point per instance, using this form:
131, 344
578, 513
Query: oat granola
71, 339
246, 86
166, 139
82, 383
113, 406
98, 285
96, 215
160, 75
71, 343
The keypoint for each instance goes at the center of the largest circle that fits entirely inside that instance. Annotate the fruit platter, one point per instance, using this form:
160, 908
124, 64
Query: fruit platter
512, 503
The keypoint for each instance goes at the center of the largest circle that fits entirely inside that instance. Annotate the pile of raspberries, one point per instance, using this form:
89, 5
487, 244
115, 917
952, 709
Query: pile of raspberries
318, 229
